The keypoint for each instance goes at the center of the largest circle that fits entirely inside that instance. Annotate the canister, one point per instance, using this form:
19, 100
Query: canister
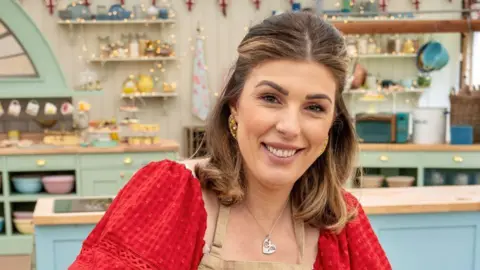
429, 125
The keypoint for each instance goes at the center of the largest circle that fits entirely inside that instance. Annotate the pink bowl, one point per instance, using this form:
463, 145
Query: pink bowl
23, 215
58, 184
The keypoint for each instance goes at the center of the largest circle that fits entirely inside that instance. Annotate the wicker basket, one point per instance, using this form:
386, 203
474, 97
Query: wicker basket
465, 110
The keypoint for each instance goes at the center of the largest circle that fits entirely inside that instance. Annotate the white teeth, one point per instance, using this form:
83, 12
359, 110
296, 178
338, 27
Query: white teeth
281, 152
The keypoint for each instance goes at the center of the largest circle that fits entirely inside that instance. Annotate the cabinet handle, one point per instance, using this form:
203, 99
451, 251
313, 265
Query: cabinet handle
383, 158
127, 160
457, 159
41, 162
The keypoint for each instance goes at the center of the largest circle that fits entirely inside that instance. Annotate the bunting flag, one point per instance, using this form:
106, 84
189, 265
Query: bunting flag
50, 5
190, 4
416, 3
200, 91
223, 5
257, 4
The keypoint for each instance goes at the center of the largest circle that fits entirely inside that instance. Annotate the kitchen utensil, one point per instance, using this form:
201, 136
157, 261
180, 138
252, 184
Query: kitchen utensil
461, 179
371, 181
66, 108
27, 184
50, 109
32, 108
58, 184
23, 215
14, 108
24, 226
45, 123
2, 223
400, 181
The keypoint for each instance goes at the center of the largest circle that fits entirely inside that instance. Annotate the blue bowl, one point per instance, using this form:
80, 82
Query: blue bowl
27, 184
2, 223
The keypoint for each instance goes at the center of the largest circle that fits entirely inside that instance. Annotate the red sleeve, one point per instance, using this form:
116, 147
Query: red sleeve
355, 248
364, 249
157, 221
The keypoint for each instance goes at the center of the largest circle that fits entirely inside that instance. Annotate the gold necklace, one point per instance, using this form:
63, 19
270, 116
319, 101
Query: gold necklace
268, 247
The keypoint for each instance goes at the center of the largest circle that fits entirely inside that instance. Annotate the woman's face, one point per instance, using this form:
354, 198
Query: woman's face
284, 114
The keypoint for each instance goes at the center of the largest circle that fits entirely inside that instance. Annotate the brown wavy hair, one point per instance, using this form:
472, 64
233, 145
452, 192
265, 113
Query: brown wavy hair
318, 196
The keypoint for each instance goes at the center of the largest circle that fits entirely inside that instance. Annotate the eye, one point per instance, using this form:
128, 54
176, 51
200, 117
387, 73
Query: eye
270, 99
315, 108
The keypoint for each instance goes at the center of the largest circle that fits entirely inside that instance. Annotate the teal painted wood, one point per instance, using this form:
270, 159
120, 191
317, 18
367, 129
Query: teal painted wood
57, 246
41, 163
16, 245
51, 80
440, 241
380, 159
108, 176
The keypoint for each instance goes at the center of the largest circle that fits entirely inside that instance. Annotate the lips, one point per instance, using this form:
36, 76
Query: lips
281, 151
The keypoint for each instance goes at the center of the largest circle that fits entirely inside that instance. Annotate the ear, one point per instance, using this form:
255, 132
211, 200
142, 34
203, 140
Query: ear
233, 109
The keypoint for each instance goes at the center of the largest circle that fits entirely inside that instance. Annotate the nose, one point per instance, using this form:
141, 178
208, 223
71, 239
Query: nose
288, 124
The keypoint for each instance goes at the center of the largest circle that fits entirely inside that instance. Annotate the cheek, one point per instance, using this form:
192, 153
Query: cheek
317, 134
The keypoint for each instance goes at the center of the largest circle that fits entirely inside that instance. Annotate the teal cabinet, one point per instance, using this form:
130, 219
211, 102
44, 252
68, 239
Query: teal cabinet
440, 241
41, 163
95, 174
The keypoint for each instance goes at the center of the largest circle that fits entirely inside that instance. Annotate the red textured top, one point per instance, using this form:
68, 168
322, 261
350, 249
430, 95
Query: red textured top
158, 221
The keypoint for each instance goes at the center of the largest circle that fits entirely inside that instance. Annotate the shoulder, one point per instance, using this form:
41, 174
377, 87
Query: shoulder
161, 206
160, 178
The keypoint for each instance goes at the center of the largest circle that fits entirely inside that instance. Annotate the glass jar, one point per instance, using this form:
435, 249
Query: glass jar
351, 46
362, 45
372, 46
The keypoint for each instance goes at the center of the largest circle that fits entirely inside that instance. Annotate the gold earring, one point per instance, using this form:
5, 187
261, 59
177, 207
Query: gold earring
325, 145
232, 124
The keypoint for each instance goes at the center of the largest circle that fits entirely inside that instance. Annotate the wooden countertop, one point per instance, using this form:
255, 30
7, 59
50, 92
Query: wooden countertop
392, 147
164, 145
375, 202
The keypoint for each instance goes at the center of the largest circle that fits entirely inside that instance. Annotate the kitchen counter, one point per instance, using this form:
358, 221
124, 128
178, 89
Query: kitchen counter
387, 147
444, 236
164, 145
375, 202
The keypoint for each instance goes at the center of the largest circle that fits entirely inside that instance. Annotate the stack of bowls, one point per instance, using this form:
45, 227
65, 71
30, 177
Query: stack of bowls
400, 181
29, 184
58, 184
23, 222
371, 181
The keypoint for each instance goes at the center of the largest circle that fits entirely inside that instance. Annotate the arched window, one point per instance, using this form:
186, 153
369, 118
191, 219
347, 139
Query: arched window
14, 60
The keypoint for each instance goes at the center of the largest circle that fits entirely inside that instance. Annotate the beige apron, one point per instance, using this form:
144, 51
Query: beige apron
213, 261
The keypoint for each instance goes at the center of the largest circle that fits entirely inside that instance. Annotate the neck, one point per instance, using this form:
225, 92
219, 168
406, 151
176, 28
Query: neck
267, 204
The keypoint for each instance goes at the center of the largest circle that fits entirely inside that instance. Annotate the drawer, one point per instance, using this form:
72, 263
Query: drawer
123, 160
41, 163
451, 160
389, 159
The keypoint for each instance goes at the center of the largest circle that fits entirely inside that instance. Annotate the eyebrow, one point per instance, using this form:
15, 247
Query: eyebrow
285, 92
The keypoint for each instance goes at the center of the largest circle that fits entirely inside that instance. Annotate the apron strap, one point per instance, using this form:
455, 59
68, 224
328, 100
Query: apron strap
300, 237
220, 229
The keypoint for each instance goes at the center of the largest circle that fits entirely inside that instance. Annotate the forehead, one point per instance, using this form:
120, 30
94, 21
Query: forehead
295, 76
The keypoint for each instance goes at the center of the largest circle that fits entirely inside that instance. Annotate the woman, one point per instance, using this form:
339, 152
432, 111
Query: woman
270, 196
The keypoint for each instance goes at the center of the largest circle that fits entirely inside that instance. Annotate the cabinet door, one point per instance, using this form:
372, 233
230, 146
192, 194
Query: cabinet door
125, 176
101, 182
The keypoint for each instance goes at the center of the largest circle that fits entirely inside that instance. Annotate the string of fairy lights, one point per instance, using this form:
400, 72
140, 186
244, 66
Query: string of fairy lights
158, 69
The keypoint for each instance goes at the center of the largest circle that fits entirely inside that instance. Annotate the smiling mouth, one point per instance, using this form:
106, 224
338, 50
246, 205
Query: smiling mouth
281, 153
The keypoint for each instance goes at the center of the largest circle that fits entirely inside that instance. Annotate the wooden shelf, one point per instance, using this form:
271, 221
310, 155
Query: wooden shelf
109, 22
18, 197
373, 92
150, 95
132, 59
384, 56
406, 26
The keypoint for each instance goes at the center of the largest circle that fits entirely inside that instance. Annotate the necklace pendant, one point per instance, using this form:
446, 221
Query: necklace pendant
268, 247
